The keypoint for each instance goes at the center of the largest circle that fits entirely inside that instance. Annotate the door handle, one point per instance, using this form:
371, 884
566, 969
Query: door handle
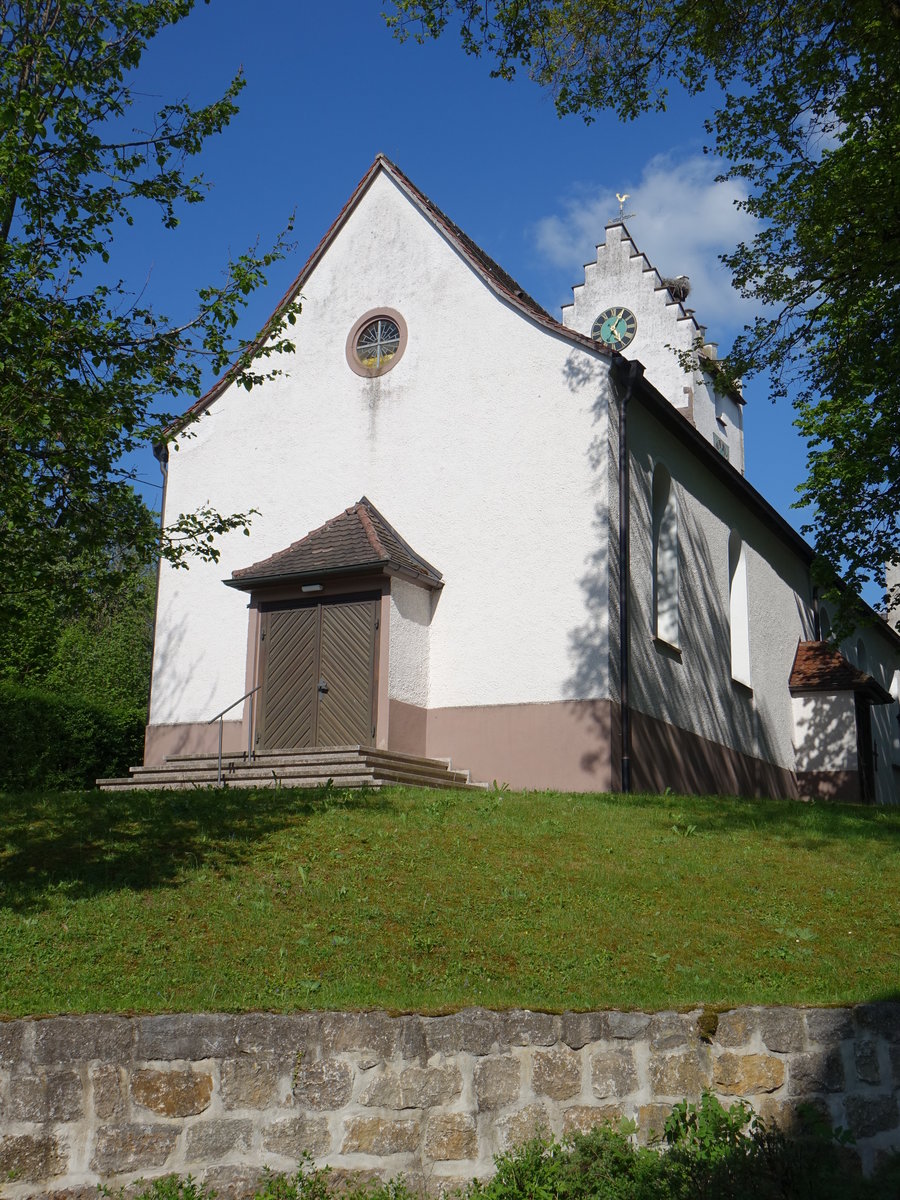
323, 686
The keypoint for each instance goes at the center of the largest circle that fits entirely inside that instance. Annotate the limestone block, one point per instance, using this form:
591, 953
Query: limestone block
296, 1135
556, 1073
411, 1039
671, 1030
520, 1027
209, 1140
132, 1147
172, 1093
473, 1031
54, 1095
882, 1017
191, 1036
413, 1087
450, 1137
828, 1026
82, 1039
817, 1071
865, 1054
530, 1121
31, 1159
342, 1180
895, 1065
613, 1073
679, 1075
12, 1042
375, 1032
322, 1085
108, 1091
747, 1074
782, 1029
651, 1121
247, 1083
276, 1037
230, 1183
736, 1027
374, 1135
868, 1115
497, 1082
627, 1025
577, 1029
84, 1191
582, 1118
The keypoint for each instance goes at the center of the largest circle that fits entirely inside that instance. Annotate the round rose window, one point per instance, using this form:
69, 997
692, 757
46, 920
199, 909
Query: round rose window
376, 342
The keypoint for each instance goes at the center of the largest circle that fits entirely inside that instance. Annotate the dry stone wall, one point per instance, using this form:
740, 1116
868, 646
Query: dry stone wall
106, 1099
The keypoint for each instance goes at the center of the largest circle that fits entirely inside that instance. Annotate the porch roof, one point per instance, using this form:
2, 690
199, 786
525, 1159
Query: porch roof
359, 539
820, 667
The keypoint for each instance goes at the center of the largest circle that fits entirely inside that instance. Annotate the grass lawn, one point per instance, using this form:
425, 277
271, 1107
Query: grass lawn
416, 899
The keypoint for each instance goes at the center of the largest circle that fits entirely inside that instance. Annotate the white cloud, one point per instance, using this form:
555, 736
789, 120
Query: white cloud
683, 220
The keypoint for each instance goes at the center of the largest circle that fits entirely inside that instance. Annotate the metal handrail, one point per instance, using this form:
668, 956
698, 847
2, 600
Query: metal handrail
218, 717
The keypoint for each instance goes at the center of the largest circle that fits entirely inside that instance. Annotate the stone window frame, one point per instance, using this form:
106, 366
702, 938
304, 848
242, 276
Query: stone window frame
366, 319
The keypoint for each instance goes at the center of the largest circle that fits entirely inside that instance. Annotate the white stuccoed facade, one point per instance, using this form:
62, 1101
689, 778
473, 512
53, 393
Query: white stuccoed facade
475, 447
490, 446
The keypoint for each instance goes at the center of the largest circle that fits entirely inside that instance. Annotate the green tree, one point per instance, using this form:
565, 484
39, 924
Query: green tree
807, 113
103, 655
88, 371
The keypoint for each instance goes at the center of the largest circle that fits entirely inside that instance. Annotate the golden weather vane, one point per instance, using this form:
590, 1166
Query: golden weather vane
623, 215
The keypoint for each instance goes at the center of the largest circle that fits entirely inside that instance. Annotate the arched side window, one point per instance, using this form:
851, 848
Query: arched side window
665, 558
862, 657
824, 623
738, 609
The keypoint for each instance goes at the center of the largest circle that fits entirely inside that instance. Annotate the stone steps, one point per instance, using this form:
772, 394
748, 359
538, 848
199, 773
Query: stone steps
343, 766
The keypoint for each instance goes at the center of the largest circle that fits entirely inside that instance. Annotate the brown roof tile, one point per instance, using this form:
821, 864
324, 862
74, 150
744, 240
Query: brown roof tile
358, 539
819, 667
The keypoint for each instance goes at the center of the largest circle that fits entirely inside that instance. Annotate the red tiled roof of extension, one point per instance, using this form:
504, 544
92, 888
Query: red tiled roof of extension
819, 667
357, 539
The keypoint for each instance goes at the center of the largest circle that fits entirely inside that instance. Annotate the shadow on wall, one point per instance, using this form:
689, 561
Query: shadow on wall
594, 673
682, 698
176, 665
91, 843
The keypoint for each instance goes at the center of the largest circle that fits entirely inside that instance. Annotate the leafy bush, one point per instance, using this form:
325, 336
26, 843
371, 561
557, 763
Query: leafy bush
712, 1153
59, 742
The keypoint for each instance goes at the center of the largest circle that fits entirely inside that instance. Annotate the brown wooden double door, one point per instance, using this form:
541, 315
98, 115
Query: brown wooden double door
318, 672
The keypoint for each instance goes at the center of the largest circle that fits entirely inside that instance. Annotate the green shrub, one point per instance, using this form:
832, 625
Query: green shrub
59, 742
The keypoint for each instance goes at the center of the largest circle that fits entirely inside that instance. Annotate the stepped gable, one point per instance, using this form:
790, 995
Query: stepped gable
819, 667
619, 253
358, 539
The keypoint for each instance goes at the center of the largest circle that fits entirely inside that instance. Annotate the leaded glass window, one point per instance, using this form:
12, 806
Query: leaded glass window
378, 342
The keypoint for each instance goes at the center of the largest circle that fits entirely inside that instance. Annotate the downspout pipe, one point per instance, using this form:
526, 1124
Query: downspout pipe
625, 375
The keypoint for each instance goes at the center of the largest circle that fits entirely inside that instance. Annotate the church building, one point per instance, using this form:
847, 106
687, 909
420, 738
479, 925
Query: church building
522, 544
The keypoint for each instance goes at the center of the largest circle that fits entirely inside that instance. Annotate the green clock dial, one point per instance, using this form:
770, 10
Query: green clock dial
615, 327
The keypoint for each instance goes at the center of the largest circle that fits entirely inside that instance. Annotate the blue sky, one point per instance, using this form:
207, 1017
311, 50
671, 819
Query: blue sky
328, 87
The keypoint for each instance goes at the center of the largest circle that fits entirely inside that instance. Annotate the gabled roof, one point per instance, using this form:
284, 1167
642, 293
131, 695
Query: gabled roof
357, 540
500, 281
819, 667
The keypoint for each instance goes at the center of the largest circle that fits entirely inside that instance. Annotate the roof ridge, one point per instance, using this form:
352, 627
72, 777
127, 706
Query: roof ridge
361, 510
400, 538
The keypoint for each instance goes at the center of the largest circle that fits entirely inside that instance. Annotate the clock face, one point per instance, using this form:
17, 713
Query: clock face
615, 327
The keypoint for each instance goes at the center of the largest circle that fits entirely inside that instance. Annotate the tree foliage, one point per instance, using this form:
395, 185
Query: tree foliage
89, 371
807, 113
